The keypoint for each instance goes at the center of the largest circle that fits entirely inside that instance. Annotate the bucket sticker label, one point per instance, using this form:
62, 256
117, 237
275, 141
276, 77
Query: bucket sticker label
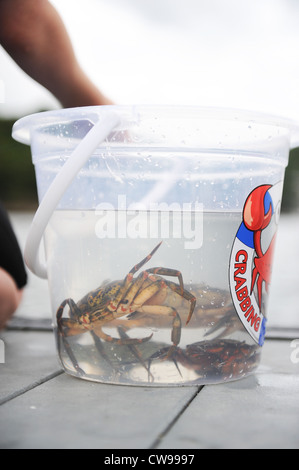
251, 258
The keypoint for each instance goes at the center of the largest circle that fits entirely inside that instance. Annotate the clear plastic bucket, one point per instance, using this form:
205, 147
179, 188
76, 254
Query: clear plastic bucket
159, 227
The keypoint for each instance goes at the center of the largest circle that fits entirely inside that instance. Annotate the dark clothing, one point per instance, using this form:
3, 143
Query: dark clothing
11, 259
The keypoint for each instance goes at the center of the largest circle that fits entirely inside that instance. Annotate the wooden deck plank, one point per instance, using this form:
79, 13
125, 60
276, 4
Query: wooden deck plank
29, 358
69, 413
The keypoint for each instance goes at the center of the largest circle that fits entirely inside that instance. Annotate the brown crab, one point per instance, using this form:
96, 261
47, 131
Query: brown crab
129, 298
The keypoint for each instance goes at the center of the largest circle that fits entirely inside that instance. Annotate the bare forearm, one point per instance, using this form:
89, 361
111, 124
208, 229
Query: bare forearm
34, 35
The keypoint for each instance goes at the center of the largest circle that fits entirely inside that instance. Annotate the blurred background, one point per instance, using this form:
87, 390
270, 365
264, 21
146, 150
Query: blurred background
236, 53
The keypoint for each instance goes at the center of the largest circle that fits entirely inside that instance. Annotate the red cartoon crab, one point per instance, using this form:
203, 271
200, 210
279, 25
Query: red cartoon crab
257, 216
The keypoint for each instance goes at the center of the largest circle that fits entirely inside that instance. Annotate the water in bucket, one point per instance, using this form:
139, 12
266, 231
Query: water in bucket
159, 247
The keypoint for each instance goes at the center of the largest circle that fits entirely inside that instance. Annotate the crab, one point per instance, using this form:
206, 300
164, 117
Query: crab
220, 357
144, 294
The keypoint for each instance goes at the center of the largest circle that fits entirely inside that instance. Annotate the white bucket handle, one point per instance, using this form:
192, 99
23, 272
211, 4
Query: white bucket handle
98, 133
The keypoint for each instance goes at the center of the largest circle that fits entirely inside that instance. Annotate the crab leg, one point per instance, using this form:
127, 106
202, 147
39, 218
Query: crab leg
101, 349
149, 292
128, 341
164, 310
144, 281
186, 295
129, 279
140, 283
169, 272
144, 261
74, 310
163, 354
227, 322
69, 327
135, 351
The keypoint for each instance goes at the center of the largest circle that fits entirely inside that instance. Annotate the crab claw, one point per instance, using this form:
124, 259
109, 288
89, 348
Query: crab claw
254, 214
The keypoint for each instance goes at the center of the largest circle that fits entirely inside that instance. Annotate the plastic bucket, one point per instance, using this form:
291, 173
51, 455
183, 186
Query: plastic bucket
159, 227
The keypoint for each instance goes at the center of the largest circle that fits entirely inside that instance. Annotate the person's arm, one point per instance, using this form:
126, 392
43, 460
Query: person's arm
33, 34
